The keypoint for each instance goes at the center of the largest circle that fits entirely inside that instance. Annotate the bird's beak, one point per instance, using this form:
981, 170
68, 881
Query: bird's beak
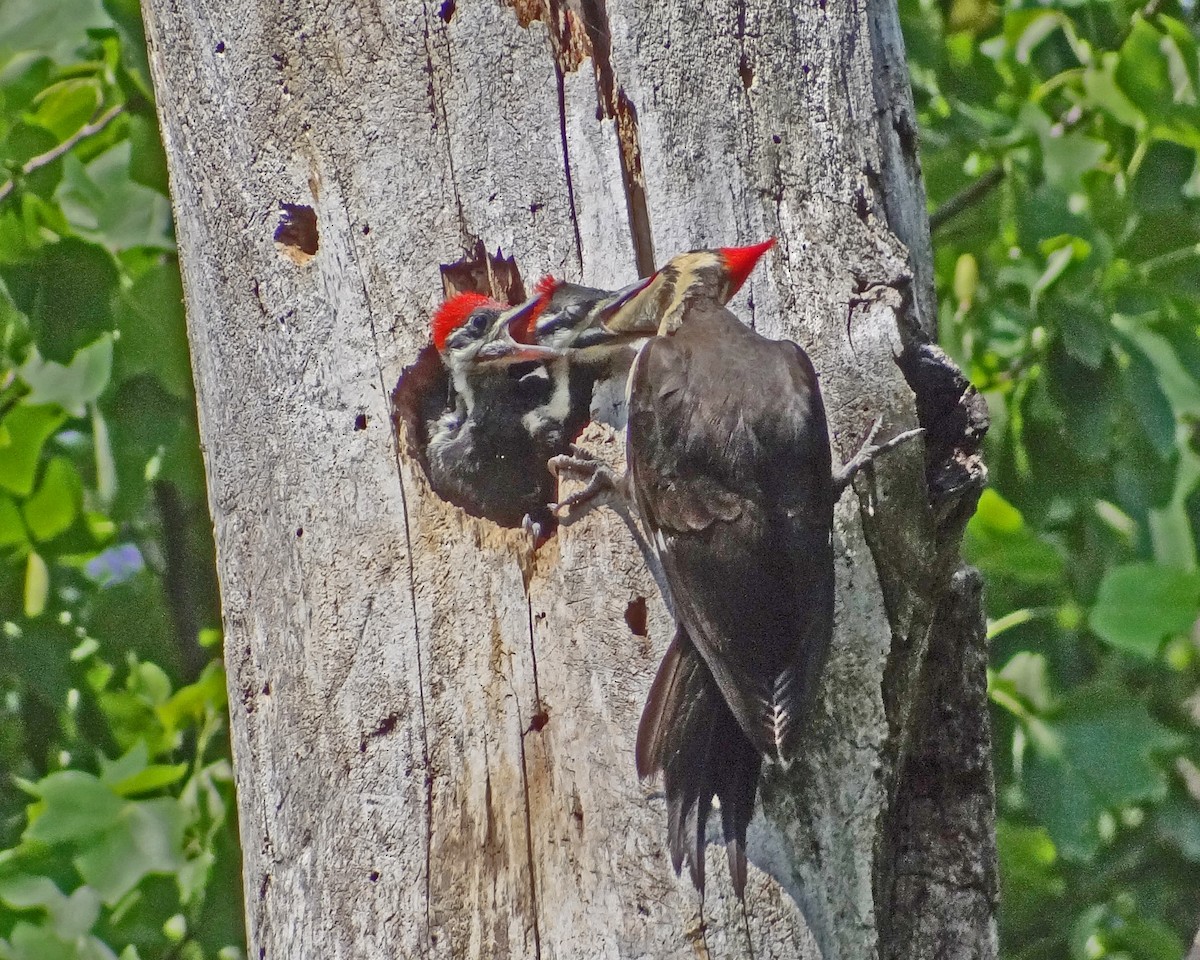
611, 311
518, 321
509, 351
505, 345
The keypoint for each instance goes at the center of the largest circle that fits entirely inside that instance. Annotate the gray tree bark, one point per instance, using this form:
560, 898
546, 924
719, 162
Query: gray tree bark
433, 726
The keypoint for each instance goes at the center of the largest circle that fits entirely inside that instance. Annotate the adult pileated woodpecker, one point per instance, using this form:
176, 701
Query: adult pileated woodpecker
509, 410
731, 473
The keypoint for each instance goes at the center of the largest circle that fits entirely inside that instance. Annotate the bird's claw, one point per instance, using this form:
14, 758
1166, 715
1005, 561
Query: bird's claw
867, 453
601, 481
579, 463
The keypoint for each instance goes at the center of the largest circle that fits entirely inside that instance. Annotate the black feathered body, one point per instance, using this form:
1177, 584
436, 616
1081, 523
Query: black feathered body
728, 449
487, 451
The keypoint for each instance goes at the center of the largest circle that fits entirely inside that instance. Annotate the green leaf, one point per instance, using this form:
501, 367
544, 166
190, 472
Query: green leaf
154, 777
12, 528
23, 78
150, 681
53, 508
64, 107
1026, 29
1142, 71
1026, 672
1178, 822
147, 838
1056, 264
133, 773
1149, 73
130, 763
72, 385
193, 701
34, 942
1001, 545
1140, 604
1160, 179
154, 335
57, 28
147, 161
1102, 90
37, 585
1175, 355
67, 293
23, 431
23, 890
1066, 157
1029, 879
1085, 334
72, 805
104, 203
106, 467
194, 876
1149, 402
1092, 756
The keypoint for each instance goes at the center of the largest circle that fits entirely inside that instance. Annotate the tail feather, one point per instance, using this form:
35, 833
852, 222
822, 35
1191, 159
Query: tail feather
654, 726
689, 734
735, 851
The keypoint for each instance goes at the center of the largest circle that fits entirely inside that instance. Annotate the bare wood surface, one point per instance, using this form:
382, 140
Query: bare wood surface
433, 727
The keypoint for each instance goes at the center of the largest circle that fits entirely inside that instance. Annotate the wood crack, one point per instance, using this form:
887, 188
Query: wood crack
437, 97
426, 763
572, 42
560, 79
616, 105
533, 896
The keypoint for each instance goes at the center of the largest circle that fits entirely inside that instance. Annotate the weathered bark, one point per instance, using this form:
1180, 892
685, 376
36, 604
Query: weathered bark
433, 727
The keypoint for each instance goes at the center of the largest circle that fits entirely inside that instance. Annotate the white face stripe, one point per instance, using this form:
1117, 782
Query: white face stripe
462, 386
686, 266
559, 407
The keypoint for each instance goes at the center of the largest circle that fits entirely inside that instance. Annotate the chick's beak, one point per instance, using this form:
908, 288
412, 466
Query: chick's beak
507, 342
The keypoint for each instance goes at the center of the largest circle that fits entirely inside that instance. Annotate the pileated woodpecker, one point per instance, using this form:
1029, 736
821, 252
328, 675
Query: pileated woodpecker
509, 410
731, 472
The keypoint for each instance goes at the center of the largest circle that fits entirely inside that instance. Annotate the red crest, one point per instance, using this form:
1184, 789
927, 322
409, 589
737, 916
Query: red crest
453, 314
740, 262
544, 289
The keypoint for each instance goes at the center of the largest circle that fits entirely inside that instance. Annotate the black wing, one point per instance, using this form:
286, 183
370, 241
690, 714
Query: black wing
729, 452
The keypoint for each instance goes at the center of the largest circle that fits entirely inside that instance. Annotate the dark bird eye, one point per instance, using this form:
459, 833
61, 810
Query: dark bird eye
478, 322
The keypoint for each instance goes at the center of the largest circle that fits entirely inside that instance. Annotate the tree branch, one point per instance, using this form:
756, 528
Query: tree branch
965, 198
47, 158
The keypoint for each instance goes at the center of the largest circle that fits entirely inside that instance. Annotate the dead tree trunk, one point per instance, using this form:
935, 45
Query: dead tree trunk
433, 728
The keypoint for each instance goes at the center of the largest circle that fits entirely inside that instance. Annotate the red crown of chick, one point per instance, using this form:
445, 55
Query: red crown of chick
543, 290
454, 312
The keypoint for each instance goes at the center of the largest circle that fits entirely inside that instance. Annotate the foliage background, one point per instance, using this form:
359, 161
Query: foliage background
117, 833
1059, 143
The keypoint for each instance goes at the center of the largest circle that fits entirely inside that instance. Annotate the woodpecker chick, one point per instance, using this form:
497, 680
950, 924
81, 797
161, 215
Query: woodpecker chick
509, 409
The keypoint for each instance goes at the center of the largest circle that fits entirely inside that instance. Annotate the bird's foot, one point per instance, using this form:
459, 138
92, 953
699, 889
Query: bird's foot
867, 453
602, 483
606, 487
